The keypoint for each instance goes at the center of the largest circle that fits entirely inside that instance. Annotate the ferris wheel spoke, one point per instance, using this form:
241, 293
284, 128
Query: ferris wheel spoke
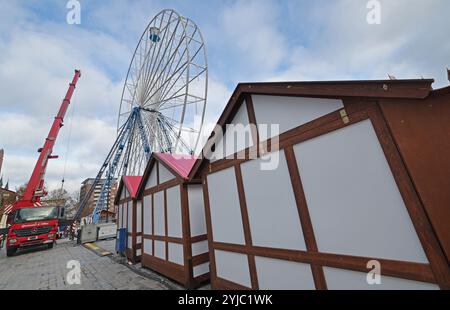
180, 72
155, 71
175, 122
179, 105
167, 86
189, 82
168, 69
164, 72
150, 61
157, 103
154, 133
177, 67
165, 92
151, 69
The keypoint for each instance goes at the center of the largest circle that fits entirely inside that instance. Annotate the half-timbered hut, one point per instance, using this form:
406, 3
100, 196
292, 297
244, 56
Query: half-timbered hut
129, 210
174, 227
335, 183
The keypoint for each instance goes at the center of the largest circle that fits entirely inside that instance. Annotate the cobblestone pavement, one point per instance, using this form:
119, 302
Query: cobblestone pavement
47, 269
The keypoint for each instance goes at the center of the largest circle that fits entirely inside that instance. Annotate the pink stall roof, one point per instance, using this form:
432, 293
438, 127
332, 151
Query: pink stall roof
181, 164
132, 184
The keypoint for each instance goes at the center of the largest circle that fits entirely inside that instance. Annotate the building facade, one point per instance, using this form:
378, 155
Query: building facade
7, 197
2, 154
86, 185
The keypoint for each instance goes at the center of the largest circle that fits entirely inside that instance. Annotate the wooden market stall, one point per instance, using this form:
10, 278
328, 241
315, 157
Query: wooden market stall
129, 215
321, 183
174, 227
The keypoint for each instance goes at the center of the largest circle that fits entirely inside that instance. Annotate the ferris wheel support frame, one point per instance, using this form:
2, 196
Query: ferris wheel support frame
112, 163
166, 88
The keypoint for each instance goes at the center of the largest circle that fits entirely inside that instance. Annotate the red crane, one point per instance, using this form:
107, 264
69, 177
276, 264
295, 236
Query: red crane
26, 225
35, 187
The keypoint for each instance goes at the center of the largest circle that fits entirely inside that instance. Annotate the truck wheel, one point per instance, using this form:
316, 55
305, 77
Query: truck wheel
50, 246
10, 251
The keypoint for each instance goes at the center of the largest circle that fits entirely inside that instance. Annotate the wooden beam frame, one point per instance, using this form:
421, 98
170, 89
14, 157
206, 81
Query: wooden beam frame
183, 274
305, 219
437, 271
416, 210
246, 224
405, 270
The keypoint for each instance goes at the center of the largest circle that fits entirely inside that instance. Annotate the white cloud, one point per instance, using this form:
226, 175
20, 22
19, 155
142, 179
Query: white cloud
36, 66
248, 32
411, 41
250, 40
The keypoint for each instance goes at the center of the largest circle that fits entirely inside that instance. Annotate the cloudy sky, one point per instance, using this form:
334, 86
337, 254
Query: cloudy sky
247, 41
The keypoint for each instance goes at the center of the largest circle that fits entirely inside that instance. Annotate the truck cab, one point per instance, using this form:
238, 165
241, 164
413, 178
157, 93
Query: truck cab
32, 227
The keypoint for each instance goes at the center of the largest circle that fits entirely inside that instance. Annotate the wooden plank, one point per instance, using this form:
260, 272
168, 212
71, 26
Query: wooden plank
212, 258
305, 219
222, 284
161, 187
166, 222
422, 225
246, 225
253, 152
186, 228
398, 269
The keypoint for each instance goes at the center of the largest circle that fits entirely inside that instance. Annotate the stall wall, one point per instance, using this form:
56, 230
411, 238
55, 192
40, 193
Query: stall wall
232, 143
332, 196
421, 129
289, 112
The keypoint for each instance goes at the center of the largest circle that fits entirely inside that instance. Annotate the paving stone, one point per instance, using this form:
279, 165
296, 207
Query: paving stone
34, 269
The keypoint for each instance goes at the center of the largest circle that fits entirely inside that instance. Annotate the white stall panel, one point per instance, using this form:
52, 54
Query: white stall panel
201, 269
138, 252
199, 247
355, 205
340, 279
138, 239
147, 215
160, 249
225, 209
272, 210
159, 221
130, 242
237, 139
139, 216
119, 215
196, 210
148, 247
276, 274
290, 112
233, 267
130, 217
176, 253
174, 212
153, 178
125, 215
164, 174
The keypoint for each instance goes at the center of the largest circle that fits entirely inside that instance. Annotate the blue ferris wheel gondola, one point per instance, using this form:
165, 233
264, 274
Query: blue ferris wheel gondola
154, 35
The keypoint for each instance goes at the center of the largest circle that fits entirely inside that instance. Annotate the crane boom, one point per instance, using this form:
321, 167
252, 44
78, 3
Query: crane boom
35, 187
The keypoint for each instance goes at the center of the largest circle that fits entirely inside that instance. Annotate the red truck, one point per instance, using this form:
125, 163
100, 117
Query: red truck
27, 222
28, 227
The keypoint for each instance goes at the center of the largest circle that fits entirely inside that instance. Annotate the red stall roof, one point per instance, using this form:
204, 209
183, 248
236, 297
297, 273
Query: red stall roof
132, 185
181, 164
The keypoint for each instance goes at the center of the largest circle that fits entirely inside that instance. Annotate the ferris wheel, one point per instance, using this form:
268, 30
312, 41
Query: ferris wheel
163, 102
167, 82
